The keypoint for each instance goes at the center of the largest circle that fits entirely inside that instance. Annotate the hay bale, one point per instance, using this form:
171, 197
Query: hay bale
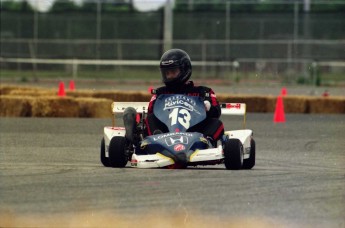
292, 104
55, 107
295, 104
111, 95
15, 106
271, 103
23, 101
80, 93
123, 96
253, 103
23, 90
6, 89
96, 108
329, 105
133, 96
33, 92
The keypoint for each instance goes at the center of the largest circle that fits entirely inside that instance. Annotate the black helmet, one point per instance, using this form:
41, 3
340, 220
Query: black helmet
173, 59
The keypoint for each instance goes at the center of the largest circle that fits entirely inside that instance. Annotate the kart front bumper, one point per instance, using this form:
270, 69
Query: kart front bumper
159, 160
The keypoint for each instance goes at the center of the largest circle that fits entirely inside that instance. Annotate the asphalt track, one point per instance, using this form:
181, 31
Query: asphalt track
51, 167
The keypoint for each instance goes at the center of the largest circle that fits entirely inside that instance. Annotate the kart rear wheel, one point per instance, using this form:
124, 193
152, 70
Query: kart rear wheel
250, 162
233, 154
104, 160
117, 152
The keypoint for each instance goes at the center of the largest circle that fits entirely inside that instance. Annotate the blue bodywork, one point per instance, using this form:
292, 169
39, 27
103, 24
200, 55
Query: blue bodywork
179, 113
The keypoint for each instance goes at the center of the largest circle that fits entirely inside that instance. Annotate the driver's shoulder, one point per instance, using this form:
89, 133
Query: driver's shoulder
160, 90
204, 88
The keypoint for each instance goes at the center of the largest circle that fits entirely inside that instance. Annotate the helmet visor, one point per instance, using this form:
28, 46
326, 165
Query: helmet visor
170, 74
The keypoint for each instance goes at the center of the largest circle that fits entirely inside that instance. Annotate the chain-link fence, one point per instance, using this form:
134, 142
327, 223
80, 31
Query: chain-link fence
225, 40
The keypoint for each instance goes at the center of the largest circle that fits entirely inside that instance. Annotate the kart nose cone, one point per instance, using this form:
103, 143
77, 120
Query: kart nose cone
181, 158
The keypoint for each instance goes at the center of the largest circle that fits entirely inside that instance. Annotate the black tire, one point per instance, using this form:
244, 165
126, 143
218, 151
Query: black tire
117, 152
233, 154
104, 160
250, 162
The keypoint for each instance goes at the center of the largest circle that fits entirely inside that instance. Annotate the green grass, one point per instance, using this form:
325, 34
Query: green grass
119, 74
152, 73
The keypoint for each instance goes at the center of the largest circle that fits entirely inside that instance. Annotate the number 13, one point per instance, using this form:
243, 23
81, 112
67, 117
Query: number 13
184, 120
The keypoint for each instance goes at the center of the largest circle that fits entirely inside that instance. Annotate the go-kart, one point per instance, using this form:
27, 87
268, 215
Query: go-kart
177, 148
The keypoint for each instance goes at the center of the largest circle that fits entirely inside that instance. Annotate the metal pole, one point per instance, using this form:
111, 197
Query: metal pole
98, 21
33, 49
306, 6
306, 36
98, 30
190, 5
314, 73
295, 33
168, 25
289, 59
203, 57
227, 34
295, 21
75, 68
227, 28
293, 49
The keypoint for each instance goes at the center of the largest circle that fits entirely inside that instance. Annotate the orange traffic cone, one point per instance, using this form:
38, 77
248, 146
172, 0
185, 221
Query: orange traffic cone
61, 92
71, 85
279, 114
283, 91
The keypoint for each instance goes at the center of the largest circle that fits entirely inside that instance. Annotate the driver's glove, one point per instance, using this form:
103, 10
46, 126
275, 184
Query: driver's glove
207, 105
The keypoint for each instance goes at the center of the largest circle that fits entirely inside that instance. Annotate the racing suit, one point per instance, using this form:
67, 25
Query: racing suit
211, 126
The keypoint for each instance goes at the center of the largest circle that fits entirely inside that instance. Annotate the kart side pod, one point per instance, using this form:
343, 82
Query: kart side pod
238, 109
119, 107
245, 135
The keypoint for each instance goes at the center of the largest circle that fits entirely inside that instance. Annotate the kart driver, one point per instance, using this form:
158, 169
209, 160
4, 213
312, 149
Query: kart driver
176, 69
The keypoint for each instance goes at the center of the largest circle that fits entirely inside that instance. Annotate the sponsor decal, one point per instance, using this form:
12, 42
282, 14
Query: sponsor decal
180, 101
134, 162
176, 139
179, 147
237, 106
167, 62
116, 128
158, 137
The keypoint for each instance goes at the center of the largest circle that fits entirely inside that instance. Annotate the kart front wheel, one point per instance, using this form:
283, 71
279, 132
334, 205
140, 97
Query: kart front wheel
117, 152
104, 159
250, 162
233, 154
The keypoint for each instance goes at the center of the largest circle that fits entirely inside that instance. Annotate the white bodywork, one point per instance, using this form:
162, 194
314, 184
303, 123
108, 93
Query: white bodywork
159, 160
109, 133
244, 136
